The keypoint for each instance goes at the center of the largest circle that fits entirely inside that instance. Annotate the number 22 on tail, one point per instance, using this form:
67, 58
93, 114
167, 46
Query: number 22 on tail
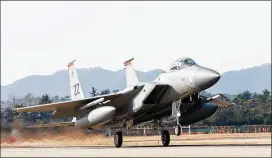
76, 87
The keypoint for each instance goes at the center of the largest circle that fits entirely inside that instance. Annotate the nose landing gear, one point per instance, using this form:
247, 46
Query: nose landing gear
178, 126
176, 114
178, 130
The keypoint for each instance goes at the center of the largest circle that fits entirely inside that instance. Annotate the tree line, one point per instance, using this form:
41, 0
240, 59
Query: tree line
249, 109
8, 115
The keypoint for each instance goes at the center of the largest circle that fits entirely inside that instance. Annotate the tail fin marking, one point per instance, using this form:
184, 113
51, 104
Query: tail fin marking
75, 86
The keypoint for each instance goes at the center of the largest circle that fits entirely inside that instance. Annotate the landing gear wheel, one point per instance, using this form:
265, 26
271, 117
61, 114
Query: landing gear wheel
118, 139
165, 138
177, 130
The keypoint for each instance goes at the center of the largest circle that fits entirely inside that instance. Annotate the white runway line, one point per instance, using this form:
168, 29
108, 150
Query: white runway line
180, 151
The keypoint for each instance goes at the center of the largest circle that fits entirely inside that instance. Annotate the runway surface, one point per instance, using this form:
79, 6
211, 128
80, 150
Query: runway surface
136, 151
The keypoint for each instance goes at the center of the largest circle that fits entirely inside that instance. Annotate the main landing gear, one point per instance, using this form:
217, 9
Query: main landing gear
118, 139
165, 138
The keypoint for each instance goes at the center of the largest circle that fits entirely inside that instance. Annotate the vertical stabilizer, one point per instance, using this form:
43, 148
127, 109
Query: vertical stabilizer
75, 86
131, 76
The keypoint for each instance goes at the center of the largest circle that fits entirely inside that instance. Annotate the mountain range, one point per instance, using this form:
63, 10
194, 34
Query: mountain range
254, 79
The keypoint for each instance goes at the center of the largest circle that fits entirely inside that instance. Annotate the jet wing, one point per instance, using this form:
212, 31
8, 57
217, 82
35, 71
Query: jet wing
70, 108
64, 105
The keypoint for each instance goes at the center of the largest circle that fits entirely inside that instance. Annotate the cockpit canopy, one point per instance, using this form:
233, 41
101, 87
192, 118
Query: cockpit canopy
181, 64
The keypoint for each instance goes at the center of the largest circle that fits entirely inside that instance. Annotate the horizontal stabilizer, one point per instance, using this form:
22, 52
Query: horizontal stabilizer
217, 99
61, 124
222, 103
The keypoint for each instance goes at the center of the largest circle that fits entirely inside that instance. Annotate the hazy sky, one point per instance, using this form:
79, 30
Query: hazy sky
42, 37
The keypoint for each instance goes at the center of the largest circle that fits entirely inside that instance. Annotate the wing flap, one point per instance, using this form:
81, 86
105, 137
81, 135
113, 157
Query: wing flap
60, 124
48, 107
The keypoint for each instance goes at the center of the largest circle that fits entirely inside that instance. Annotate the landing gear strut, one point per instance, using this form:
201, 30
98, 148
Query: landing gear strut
176, 114
118, 139
178, 127
165, 138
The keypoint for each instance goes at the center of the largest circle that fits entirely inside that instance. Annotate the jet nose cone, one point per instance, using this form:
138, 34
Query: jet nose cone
205, 78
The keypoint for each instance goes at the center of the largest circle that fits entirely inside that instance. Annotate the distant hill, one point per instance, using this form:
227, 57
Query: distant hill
254, 79
58, 83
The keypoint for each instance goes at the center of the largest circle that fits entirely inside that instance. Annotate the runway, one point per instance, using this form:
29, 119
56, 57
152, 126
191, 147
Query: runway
213, 145
136, 151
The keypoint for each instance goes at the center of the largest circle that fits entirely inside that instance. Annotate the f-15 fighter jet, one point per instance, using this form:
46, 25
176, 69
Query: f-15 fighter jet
174, 93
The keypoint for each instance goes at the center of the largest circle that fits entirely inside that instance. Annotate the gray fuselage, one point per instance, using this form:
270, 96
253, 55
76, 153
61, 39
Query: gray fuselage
155, 99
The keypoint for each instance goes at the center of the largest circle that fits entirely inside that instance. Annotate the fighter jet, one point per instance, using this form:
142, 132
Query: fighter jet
174, 93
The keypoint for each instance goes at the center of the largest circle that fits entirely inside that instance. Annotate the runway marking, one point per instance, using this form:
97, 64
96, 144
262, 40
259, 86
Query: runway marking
140, 146
171, 151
